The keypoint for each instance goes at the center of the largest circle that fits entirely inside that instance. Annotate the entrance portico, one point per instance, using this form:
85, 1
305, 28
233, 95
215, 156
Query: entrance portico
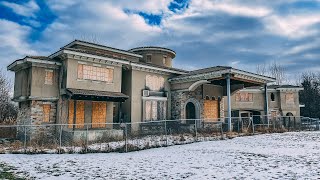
212, 84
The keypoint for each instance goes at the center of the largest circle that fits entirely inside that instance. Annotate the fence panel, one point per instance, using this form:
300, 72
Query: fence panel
125, 137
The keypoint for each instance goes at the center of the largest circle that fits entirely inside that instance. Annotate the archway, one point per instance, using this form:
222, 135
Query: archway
190, 112
287, 120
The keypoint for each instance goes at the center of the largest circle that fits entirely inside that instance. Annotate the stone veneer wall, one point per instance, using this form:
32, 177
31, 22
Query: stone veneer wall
179, 99
222, 107
31, 113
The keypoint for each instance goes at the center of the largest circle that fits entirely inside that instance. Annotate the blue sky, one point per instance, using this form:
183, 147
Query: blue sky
238, 33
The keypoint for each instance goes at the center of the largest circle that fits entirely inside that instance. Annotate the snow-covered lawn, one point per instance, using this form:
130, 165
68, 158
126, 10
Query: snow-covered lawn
282, 156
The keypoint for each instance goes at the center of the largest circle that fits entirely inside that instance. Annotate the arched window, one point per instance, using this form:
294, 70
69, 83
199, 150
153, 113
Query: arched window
207, 97
272, 97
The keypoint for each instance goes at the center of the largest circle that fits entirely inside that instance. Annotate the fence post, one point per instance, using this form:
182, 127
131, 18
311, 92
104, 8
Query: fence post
221, 129
60, 139
238, 126
195, 128
25, 138
126, 136
87, 139
252, 125
165, 131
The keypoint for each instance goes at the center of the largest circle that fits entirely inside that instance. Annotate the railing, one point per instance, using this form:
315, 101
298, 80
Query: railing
125, 137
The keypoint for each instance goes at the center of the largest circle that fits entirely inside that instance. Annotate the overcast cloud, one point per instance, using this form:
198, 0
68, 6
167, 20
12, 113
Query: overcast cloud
204, 33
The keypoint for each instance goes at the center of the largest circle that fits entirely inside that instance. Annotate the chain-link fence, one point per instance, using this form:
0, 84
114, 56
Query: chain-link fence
125, 137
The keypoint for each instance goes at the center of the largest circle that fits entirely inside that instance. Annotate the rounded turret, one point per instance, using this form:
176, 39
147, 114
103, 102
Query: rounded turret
155, 55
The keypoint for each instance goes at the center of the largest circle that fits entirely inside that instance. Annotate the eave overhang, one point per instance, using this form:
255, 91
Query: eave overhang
112, 61
236, 74
20, 62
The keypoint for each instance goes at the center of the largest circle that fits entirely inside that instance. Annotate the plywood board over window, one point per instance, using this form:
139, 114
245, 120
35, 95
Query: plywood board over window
46, 112
49, 77
211, 111
289, 98
80, 114
95, 73
99, 114
71, 113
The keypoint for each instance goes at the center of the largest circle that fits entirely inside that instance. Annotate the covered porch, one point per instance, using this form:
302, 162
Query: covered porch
202, 94
92, 114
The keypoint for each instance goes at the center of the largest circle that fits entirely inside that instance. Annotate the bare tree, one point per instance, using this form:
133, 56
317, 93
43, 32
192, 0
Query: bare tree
275, 70
7, 109
278, 72
262, 69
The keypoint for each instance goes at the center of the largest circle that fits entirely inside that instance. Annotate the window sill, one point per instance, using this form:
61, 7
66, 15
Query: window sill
94, 81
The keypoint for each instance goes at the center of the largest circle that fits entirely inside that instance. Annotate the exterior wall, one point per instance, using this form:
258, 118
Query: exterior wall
179, 99
138, 85
31, 113
108, 53
292, 108
156, 57
74, 82
22, 83
278, 106
38, 86
127, 89
256, 104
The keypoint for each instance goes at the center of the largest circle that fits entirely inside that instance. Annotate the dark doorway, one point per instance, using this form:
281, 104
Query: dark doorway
190, 112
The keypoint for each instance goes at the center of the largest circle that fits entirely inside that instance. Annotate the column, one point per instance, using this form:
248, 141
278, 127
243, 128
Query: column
229, 101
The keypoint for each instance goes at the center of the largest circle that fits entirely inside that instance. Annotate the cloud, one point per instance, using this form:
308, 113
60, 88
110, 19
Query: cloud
202, 32
292, 26
303, 47
14, 43
27, 9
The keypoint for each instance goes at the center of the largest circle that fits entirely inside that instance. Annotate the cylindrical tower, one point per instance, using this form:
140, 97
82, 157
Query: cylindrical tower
155, 55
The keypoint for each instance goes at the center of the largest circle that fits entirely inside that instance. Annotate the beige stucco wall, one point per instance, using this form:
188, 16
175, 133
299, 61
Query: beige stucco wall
21, 83
279, 104
134, 105
74, 82
38, 86
293, 108
156, 57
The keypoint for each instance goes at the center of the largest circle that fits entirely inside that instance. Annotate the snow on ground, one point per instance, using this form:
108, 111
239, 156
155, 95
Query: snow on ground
293, 155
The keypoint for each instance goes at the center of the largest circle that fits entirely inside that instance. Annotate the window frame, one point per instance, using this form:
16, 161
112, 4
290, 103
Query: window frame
95, 73
48, 81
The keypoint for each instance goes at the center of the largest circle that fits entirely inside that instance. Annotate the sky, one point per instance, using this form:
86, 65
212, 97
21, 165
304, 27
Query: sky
237, 33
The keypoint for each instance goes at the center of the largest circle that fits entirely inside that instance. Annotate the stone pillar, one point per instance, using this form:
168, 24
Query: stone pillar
229, 101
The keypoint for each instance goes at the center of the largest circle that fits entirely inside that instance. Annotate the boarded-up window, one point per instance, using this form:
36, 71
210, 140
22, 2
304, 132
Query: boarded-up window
79, 114
49, 77
289, 98
211, 111
155, 110
46, 112
99, 114
148, 110
154, 83
95, 73
71, 113
244, 97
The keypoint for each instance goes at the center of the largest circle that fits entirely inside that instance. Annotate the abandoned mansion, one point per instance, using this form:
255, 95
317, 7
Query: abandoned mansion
90, 83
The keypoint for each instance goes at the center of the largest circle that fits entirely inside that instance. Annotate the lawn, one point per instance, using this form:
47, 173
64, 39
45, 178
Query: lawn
294, 155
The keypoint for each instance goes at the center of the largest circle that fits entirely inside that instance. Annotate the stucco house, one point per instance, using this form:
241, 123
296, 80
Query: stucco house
85, 82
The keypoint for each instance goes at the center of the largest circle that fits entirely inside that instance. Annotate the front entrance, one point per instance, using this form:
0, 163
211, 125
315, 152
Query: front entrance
190, 112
